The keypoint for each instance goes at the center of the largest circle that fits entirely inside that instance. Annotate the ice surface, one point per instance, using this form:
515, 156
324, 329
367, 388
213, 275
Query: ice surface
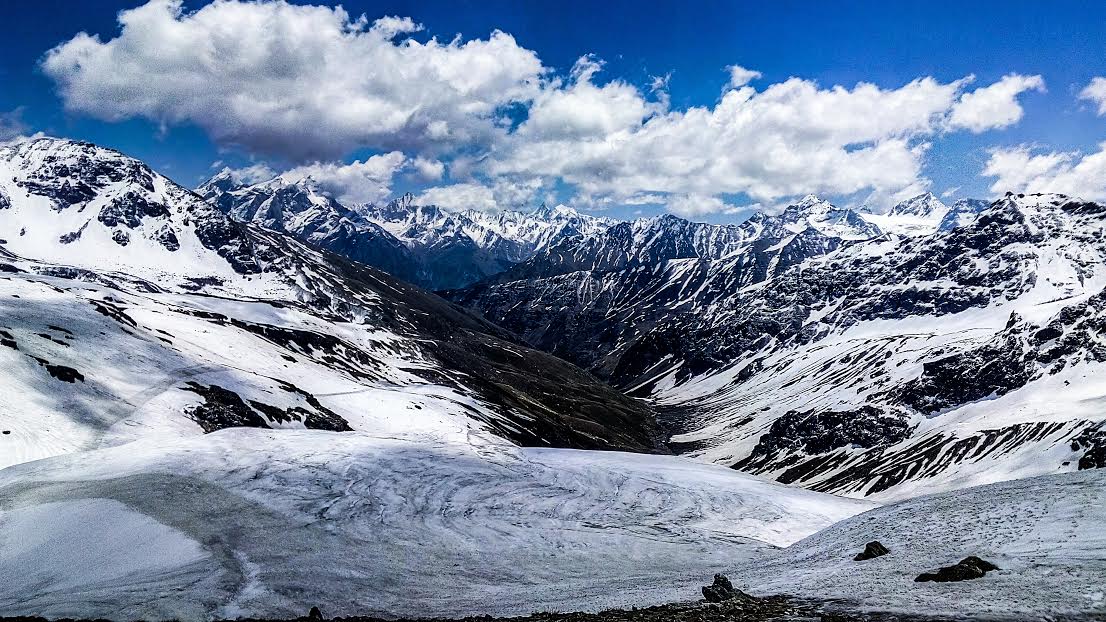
271, 522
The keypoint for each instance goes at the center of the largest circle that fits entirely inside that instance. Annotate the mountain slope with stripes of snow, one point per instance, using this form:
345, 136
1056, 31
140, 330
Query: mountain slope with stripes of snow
885, 366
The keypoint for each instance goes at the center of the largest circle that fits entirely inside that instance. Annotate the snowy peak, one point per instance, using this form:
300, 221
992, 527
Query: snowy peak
79, 204
222, 182
961, 213
815, 213
923, 206
918, 216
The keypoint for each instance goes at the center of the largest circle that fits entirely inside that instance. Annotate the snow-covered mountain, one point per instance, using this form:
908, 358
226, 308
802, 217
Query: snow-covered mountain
131, 305
203, 418
920, 215
596, 298
881, 367
301, 209
961, 213
925, 214
460, 248
421, 244
210, 417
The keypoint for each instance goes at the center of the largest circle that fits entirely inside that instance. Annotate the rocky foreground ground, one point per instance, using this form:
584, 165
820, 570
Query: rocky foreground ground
746, 609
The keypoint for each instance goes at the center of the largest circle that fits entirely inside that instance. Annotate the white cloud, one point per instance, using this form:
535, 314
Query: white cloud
359, 182
582, 110
691, 206
252, 174
302, 82
995, 106
1095, 92
501, 195
311, 83
740, 76
457, 197
791, 138
429, 169
1023, 169
950, 192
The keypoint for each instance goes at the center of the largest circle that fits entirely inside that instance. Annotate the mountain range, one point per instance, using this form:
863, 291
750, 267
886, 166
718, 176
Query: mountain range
242, 401
421, 244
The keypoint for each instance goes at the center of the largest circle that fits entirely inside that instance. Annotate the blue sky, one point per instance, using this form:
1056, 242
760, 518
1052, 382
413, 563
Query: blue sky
827, 44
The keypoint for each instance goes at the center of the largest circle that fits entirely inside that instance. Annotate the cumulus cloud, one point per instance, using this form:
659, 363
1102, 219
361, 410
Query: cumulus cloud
302, 82
458, 197
740, 76
582, 110
1024, 169
312, 83
499, 195
791, 138
691, 206
358, 182
995, 106
429, 169
1095, 92
247, 175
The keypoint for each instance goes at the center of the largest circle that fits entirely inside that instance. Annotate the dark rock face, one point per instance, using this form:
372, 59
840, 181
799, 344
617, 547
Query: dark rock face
966, 569
996, 368
129, 210
722, 590
1093, 443
76, 176
871, 550
226, 409
814, 433
222, 409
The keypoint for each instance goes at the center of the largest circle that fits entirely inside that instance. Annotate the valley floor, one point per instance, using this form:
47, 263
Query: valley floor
247, 523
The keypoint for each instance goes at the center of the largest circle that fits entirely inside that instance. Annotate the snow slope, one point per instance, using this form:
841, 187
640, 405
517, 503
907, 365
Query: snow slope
881, 367
1044, 533
114, 334
271, 522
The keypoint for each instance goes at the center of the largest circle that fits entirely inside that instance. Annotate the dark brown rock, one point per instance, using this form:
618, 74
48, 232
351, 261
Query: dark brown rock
872, 550
967, 569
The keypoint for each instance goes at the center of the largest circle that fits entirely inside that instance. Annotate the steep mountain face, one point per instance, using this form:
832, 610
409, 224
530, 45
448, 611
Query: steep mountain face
962, 213
885, 367
136, 309
920, 215
457, 249
421, 244
603, 300
302, 210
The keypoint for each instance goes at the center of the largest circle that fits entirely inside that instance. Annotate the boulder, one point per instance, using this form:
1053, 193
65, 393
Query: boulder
721, 590
872, 550
968, 568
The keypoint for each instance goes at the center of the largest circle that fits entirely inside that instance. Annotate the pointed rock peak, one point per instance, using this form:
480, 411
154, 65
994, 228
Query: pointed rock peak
542, 211
975, 205
565, 211
809, 206
811, 200
926, 204
223, 181
404, 202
